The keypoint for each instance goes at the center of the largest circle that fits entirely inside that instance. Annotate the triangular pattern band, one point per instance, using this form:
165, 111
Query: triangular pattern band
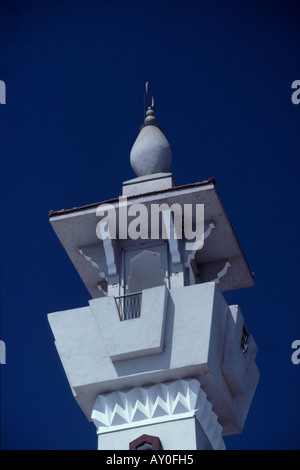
157, 403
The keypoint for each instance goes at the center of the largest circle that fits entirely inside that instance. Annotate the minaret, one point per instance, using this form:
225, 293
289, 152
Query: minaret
157, 359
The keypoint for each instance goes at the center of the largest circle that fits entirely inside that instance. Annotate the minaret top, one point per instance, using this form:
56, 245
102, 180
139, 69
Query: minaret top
151, 152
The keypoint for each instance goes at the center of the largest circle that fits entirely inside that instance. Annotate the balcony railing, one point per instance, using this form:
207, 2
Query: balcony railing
244, 340
129, 306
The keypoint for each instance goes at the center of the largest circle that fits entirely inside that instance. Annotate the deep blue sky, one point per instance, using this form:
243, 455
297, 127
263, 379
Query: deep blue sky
221, 74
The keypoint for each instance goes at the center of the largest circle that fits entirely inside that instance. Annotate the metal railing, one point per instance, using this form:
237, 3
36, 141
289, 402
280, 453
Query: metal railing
244, 341
129, 305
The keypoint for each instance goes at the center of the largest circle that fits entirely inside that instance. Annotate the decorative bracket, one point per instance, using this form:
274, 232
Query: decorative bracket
172, 239
108, 248
95, 265
222, 272
206, 234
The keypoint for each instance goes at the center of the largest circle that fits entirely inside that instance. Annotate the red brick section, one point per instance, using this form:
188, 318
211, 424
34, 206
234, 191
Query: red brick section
152, 440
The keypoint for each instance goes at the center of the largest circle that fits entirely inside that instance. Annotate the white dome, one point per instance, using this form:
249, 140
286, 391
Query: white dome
151, 152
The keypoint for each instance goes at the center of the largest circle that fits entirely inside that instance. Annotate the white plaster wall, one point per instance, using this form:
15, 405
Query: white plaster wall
148, 183
137, 337
184, 434
193, 345
80, 346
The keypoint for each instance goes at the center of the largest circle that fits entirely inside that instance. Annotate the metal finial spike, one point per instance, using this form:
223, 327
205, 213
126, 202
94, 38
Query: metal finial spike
150, 103
150, 117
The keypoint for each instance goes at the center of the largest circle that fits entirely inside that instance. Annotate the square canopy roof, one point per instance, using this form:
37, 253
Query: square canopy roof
76, 229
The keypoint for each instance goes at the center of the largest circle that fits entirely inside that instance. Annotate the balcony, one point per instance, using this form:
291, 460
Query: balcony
129, 306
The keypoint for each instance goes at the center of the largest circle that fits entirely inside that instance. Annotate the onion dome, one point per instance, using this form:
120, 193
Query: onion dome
151, 153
